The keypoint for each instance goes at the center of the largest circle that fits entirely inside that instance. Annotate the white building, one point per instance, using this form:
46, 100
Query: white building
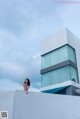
60, 64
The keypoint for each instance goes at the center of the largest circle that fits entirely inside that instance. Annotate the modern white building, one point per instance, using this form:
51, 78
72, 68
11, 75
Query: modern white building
60, 63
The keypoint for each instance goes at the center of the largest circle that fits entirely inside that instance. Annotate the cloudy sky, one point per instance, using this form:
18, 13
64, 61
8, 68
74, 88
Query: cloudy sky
23, 25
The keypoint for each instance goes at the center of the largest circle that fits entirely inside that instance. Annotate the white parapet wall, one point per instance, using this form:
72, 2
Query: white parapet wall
36, 105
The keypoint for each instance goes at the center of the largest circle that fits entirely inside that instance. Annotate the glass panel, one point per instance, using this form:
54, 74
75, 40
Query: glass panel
45, 81
64, 74
56, 76
57, 56
45, 61
71, 54
74, 74
59, 75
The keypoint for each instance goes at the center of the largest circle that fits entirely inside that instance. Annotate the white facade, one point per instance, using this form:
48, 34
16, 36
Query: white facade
57, 40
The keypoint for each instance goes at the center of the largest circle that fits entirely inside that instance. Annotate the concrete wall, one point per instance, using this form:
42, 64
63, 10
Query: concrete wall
6, 101
40, 105
57, 40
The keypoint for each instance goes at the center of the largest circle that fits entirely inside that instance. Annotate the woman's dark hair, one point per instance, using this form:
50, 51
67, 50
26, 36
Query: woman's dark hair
28, 81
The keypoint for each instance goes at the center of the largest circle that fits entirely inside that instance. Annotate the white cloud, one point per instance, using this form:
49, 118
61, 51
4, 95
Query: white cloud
11, 70
6, 84
20, 69
70, 17
23, 24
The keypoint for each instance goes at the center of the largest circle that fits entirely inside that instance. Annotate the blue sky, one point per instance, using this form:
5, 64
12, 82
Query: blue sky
23, 25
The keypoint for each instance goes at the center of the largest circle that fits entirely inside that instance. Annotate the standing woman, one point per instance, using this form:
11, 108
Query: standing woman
26, 85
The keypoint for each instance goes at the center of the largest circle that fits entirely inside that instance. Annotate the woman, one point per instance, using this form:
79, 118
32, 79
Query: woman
26, 85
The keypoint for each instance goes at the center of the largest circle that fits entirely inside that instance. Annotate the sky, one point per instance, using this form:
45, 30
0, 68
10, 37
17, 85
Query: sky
23, 26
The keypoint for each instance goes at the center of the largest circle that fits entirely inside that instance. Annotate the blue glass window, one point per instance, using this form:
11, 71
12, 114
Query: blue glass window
57, 56
71, 54
59, 75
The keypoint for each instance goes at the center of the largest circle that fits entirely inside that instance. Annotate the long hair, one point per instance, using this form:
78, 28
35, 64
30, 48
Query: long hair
28, 81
